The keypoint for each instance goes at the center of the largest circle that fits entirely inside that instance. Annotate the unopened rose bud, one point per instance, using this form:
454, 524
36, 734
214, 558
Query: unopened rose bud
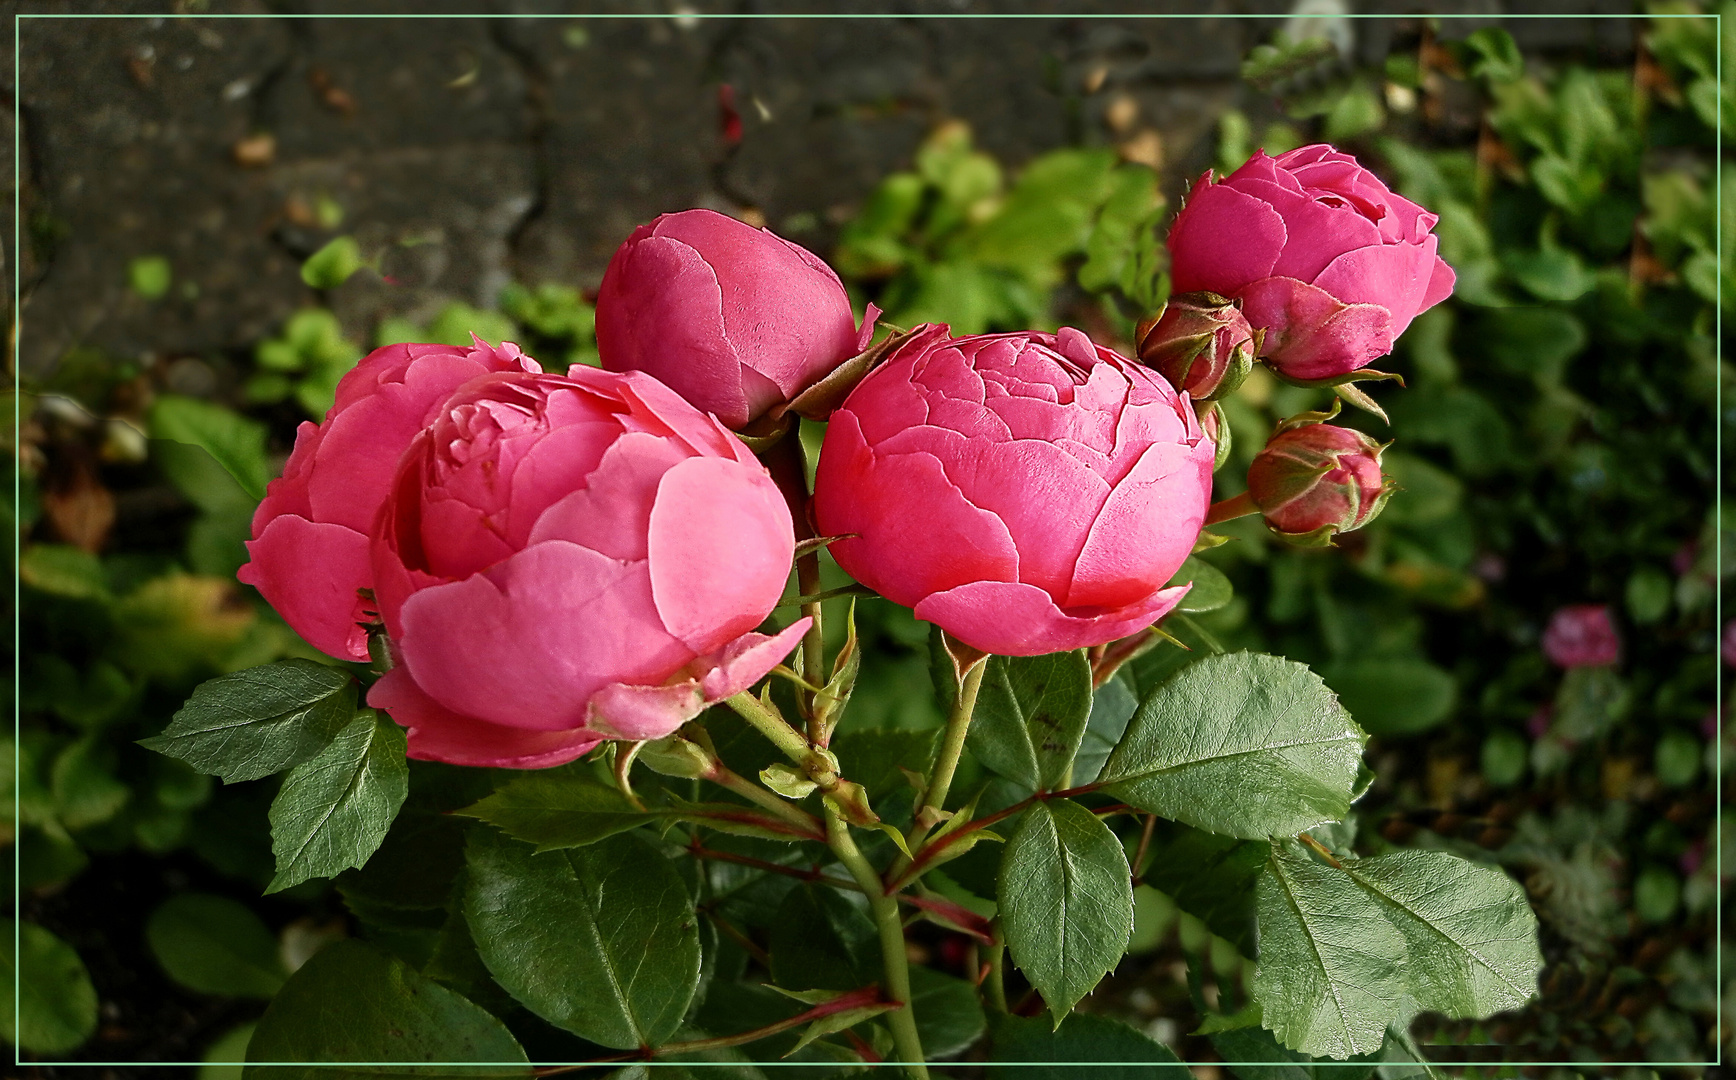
1201, 343
1314, 481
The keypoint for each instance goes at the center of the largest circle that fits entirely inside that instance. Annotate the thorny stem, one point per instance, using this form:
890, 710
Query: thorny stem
1234, 507
893, 957
772, 726
951, 748
759, 796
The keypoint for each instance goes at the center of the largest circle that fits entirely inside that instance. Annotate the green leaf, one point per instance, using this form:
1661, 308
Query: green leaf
63, 570
599, 940
1053, 1054
1498, 58
1210, 877
1394, 696
223, 1058
334, 809
1329, 978
353, 1004
1112, 707
150, 276
1211, 589
567, 807
237, 443
1030, 715
333, 264
55, 1010
259, 721
1066, 901
949, 1015
1249, 1045
86, 790
215, 945
822, 940
873, 757
1242, 743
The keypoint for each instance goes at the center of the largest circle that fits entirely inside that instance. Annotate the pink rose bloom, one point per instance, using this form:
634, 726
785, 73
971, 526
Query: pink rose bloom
1318, 480
1581, 635
733, 318
568, 559
1729, 648
310, 534
1332, 264
1029, 493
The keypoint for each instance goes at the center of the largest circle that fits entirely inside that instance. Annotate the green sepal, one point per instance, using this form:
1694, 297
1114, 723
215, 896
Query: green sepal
785, 780
1359, 375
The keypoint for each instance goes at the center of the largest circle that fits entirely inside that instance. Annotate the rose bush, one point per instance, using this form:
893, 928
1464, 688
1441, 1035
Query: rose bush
1026, 492
568, 559
1324, 258
733, 318
309, 549
1317, 480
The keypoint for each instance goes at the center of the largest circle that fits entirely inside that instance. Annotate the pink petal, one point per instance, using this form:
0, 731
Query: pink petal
1310, 335
288, 493
557, 464
658, 409
310, 573
1394, 276
1318, 233
626, 711
660, 311
1022, 620
720, 546
458, 539
903, 555
865, 336
1146, 528
746, 660
612, 513
436, 733
529, 641
1441, 282
1223, 239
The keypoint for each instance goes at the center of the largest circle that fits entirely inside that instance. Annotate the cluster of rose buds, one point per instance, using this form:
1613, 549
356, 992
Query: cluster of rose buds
544, 562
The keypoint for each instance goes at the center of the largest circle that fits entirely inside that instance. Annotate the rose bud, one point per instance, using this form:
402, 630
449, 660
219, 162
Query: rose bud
310, 534
1315, 481
1581, 635
1028, 493
1201, 343
733, 318
568, 559
1331, 264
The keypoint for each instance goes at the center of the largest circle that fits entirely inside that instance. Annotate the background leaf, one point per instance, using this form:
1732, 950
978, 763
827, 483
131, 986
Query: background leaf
333, 811
55, 1010
1066, 901
259, 721
1244, 744
352, 1003
1052, 1054
237, 443
1030, 715
600, 940
215, 945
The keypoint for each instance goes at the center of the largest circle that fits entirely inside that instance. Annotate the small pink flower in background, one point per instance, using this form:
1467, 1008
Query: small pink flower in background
310, 534
1028, 492
568, 559
1318, 480
733, 318
1581, 635
1730, 643
1322, 255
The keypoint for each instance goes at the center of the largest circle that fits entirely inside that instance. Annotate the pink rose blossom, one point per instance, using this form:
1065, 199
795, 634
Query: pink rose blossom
1581, 635
568, 559
310, 534
1029, 493
733, 318
1322, 255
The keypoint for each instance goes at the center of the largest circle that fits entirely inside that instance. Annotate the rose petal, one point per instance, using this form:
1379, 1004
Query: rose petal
1441, 282
1014, 619
527, 642
436, 733
625, 711
865, 336
1223, 239
611, 514
1310, 335
903, 556
746, 660
720, 549
1146, 527
310, 572
1395, 276
1318, 233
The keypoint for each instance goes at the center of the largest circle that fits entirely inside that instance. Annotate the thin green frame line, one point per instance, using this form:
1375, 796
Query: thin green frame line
18, 335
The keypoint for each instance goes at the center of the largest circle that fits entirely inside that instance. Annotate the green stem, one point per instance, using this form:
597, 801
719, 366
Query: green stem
772, 726
814, 641
1233, 507
759, 796
951, 747
884, 907
994, 985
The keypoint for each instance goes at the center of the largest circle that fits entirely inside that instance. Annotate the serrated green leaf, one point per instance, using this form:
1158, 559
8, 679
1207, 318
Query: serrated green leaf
822, 940
335, 809
1112, 706
1066, 901
600, 940
259, 721
873, 757
353, 1004
1243, 744
1329, 977
215, 945
238, 444
949, 1014
1046, 1053
1030, 715
1262, 1057
1211, 589
55, 1010
1210, 877
559, 808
